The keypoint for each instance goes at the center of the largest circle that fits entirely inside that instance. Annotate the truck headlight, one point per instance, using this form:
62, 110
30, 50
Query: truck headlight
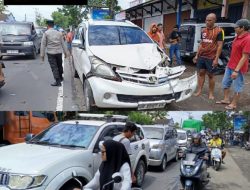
25, 181
28, 43
101, 69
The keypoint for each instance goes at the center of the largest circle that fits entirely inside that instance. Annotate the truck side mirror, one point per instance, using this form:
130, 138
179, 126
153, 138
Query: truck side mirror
29, 137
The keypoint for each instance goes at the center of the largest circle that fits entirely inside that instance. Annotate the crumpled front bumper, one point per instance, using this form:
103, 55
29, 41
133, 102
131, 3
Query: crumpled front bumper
114, 94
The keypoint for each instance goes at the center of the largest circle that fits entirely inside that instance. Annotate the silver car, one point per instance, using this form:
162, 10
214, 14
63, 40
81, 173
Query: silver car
163, 145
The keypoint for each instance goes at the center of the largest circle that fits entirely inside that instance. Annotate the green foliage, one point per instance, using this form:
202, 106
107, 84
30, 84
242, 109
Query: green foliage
217, 119
40, 21
74, 14
177, 125
60, 19
140, 118
2, 7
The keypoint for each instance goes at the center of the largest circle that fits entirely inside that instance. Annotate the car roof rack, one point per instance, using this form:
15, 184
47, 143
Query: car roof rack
103, 117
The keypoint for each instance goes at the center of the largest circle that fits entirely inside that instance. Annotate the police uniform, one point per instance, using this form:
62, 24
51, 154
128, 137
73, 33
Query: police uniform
52, 40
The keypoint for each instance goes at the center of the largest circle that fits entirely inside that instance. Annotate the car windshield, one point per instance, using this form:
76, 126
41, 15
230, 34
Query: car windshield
68, 135
181, 136
153, 133
103, 35
15, 29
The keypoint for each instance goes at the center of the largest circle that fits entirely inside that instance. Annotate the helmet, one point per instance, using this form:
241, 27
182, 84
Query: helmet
196, 136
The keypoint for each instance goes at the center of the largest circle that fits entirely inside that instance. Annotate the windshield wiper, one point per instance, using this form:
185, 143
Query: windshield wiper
45, 143
155, 138
73, 146
9, 35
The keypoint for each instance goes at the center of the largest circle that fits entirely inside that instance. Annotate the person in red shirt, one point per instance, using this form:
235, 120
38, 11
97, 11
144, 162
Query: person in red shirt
208, 54
237, 65
153, 33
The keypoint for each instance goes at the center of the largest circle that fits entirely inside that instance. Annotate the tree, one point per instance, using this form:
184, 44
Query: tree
177, 125
60, 19
40, 21
140, 118
217, 119
75, 14
2, 7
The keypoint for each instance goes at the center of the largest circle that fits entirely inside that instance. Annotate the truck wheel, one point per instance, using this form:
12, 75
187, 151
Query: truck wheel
1, 57
140, 173
33, 56
176, 158
88, 96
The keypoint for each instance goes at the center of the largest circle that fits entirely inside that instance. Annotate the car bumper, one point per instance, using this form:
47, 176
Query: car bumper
16, 50
155, 157
113, 94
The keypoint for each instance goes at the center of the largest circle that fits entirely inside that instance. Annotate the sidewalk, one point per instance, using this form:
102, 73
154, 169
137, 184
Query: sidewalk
230, 176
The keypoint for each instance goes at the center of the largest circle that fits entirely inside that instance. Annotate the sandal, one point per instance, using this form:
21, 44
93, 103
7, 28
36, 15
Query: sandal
230, 107
222, 102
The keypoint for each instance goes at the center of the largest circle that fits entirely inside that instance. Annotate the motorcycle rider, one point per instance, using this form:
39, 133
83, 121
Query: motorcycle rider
195, 147
216, 141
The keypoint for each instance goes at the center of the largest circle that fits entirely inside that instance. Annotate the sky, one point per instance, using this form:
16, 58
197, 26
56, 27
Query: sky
19, 12
180, 116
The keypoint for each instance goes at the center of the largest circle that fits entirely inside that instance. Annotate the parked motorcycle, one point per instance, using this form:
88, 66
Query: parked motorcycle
116, 178
216, 157
192, 174
247, 145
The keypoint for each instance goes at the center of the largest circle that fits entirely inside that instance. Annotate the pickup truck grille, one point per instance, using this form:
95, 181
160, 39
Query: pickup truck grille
4, 179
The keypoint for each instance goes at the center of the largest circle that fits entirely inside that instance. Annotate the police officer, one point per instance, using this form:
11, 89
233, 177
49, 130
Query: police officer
53, 41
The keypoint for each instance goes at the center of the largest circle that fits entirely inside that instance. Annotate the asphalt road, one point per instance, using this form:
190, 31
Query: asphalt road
28, 88
231, 176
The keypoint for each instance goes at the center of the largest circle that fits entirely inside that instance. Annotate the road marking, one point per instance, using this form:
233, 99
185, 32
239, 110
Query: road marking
59, 104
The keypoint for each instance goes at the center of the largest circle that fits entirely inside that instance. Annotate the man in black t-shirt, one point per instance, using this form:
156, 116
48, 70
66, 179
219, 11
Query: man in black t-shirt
174, 39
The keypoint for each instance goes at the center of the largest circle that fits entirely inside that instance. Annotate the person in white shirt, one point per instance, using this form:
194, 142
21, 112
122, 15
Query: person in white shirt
128, 132
114, 159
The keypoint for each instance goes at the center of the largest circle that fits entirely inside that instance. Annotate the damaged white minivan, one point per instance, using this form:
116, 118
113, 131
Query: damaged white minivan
121, 67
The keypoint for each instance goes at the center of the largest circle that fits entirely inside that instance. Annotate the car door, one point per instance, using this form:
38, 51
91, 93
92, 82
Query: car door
80, 55
168, 144
107, 133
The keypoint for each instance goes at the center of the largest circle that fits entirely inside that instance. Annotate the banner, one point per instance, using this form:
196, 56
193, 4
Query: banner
239, 122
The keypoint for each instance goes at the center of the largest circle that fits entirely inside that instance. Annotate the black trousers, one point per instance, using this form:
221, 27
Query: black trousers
55, 61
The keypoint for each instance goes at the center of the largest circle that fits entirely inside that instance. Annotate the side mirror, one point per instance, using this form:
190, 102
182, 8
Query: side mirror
78, 43
51, 117
74, 176
117, 177
29, 137
198, 41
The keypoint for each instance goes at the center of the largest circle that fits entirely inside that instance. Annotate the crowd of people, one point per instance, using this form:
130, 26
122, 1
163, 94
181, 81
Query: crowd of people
207, 56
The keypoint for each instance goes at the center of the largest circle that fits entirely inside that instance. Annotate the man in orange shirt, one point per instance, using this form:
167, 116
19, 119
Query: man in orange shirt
69, 39
153, 33
162, 43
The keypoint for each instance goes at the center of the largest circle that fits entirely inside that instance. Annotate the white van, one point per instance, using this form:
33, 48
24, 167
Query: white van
121, 67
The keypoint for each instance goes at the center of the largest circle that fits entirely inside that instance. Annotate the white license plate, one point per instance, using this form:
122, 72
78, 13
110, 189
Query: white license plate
188, 163
12, 51
148, 106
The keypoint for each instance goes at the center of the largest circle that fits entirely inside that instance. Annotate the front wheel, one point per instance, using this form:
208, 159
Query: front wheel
140, 173
216, 165
88, 96
163, 164
189, 187
33, 56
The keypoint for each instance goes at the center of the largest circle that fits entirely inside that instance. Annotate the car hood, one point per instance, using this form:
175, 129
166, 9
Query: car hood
139, 56
10, 38
153, 142
31, 158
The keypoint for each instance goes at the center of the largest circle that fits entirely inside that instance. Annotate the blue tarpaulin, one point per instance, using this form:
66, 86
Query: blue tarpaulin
239, 122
